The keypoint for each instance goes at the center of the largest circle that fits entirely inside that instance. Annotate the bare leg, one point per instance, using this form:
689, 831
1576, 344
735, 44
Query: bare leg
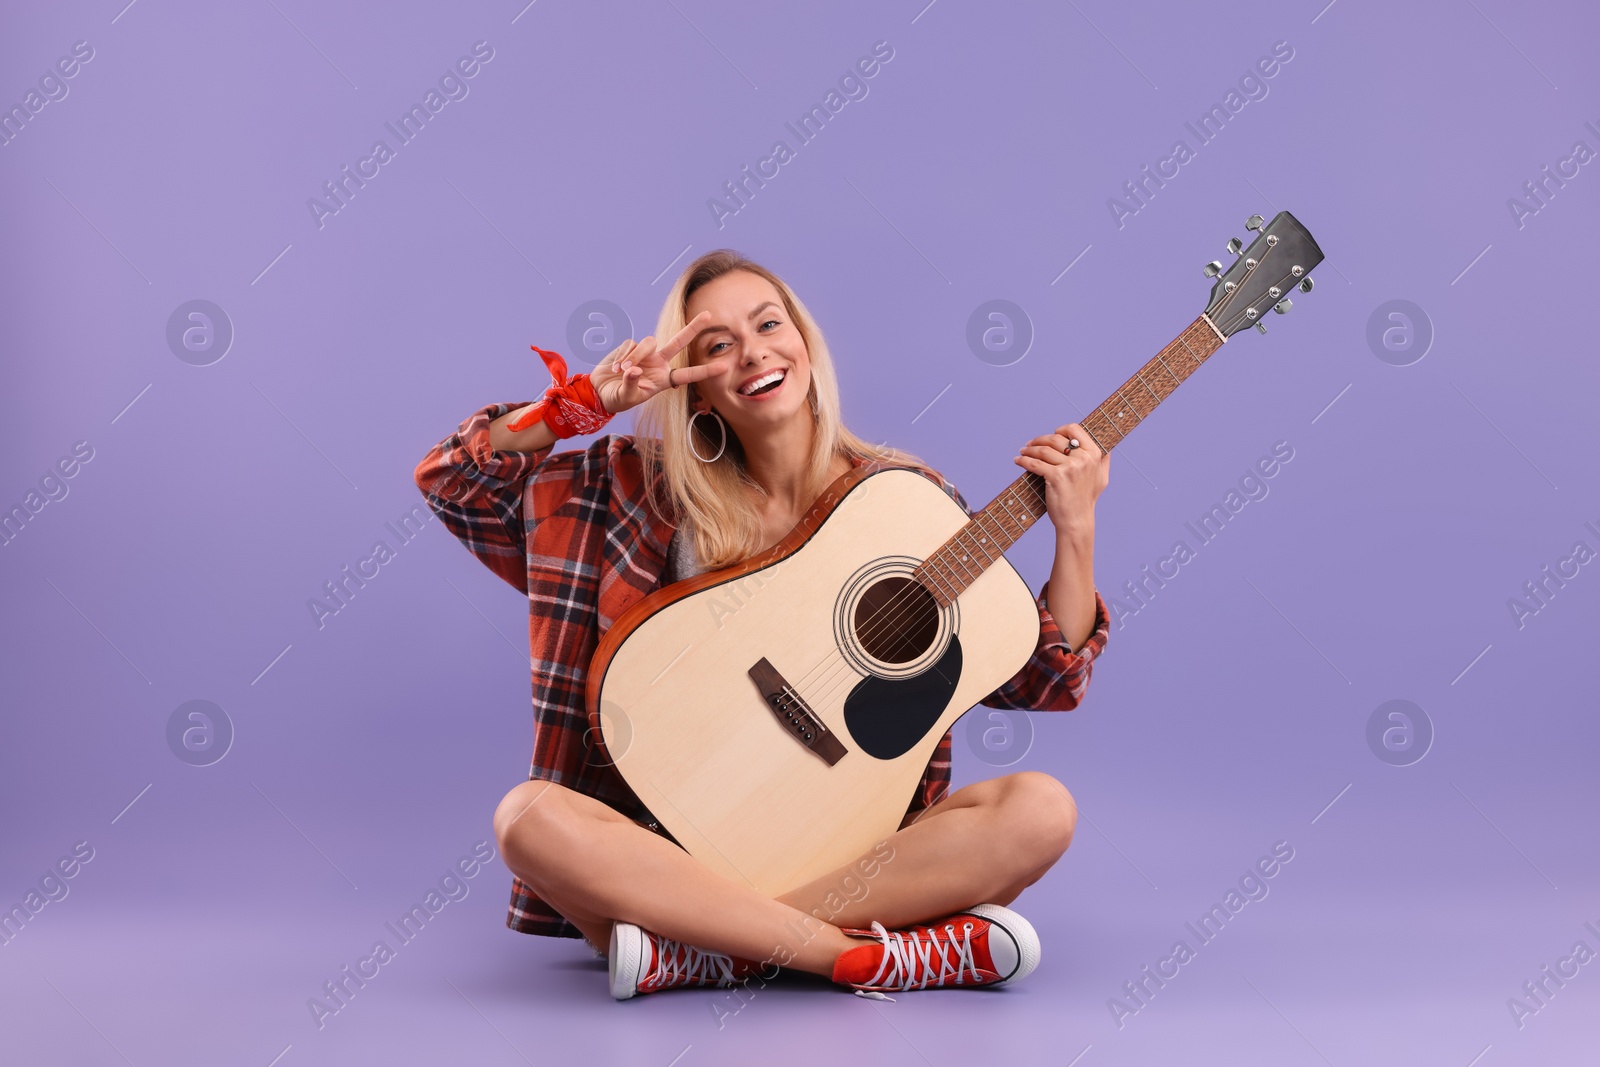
985, 843
595, 866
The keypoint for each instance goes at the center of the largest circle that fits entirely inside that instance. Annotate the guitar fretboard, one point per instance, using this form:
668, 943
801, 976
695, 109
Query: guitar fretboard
999, 525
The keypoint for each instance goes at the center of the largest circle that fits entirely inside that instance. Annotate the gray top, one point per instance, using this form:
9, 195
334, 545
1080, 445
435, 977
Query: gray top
681, 559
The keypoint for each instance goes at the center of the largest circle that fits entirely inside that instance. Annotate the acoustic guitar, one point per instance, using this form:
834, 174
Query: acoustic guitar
776, 715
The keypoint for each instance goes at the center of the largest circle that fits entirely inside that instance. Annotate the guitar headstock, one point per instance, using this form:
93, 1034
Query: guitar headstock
1279, 260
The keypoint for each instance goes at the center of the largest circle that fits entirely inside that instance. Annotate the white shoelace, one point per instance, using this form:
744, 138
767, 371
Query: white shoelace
675, 960
908, 961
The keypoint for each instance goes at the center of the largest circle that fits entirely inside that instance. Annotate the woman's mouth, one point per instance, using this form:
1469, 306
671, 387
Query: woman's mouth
765, 386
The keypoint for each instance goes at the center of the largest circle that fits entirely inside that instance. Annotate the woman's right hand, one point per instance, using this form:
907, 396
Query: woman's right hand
633, 373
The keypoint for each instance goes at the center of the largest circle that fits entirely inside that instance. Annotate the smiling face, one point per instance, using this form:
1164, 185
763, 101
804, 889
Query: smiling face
750, 326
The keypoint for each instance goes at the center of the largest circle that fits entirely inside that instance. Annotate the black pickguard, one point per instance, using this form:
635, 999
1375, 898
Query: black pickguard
888, 716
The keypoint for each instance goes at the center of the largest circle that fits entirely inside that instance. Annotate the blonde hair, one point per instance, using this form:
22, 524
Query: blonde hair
720, 499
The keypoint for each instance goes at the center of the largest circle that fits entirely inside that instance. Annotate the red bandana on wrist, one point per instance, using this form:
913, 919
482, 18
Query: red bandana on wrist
569, 407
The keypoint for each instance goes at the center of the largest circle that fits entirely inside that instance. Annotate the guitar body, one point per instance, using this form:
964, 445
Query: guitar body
692, 734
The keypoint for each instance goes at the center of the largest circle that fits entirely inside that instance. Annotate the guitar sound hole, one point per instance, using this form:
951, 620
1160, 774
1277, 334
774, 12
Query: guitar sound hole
896, 620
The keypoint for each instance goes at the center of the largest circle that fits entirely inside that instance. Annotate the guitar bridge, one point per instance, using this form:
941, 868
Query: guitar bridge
794, 715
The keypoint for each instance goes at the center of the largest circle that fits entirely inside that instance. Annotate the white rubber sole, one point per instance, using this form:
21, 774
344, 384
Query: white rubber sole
1020, 931
626, 959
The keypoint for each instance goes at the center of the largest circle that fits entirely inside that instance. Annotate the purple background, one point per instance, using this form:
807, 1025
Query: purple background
1226, 714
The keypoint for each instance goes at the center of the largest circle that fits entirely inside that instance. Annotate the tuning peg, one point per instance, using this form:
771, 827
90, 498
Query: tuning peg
1254, 222
1235, 246
1305, 284
1282, 307
1261, 326
1212, 269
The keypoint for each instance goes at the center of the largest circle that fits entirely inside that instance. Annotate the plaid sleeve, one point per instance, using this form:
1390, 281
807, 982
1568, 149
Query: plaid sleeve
1055, 677
477, 492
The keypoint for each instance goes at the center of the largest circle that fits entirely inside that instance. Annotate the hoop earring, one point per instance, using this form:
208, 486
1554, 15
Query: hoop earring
721, 426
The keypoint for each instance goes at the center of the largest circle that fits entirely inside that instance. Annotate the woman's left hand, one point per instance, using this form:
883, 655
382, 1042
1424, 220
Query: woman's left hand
1073, 479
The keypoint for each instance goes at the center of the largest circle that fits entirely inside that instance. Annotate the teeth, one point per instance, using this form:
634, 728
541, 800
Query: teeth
765, 379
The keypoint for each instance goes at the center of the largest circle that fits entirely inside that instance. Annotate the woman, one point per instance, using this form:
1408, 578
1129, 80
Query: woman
739, 432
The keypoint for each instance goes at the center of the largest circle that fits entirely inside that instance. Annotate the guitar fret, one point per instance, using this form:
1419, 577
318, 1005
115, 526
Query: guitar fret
955, 562
976, 543
1178, 346
989, 533
988, 543
1007, 536
965, 535
1130, 406
1110, 419
1120, 395
1197, 359
1010, 499
1168, 369
936, 580
1115, 430
1147, 388
1036, 497
986, 530
1007, 519
1105, 420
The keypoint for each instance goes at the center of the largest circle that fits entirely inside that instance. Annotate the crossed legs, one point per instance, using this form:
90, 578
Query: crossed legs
984, 843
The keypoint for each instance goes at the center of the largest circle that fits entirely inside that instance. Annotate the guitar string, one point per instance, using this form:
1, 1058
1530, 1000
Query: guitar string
1138, 374
887, 617
891, 618
1182, 338
890, 615
1140, 417
900, 601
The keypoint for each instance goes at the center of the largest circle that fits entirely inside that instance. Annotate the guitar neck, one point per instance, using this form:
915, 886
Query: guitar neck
1000, 524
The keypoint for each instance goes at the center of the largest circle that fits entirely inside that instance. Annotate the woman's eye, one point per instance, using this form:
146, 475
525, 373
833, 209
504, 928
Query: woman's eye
712, 349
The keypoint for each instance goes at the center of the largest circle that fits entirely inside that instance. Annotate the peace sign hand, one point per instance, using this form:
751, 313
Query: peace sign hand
633, 373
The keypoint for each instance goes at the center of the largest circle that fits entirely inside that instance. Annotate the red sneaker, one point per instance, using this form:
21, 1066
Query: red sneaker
985, 945
643, 962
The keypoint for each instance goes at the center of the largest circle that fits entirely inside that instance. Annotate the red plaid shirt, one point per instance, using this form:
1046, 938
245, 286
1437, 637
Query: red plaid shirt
573, 533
